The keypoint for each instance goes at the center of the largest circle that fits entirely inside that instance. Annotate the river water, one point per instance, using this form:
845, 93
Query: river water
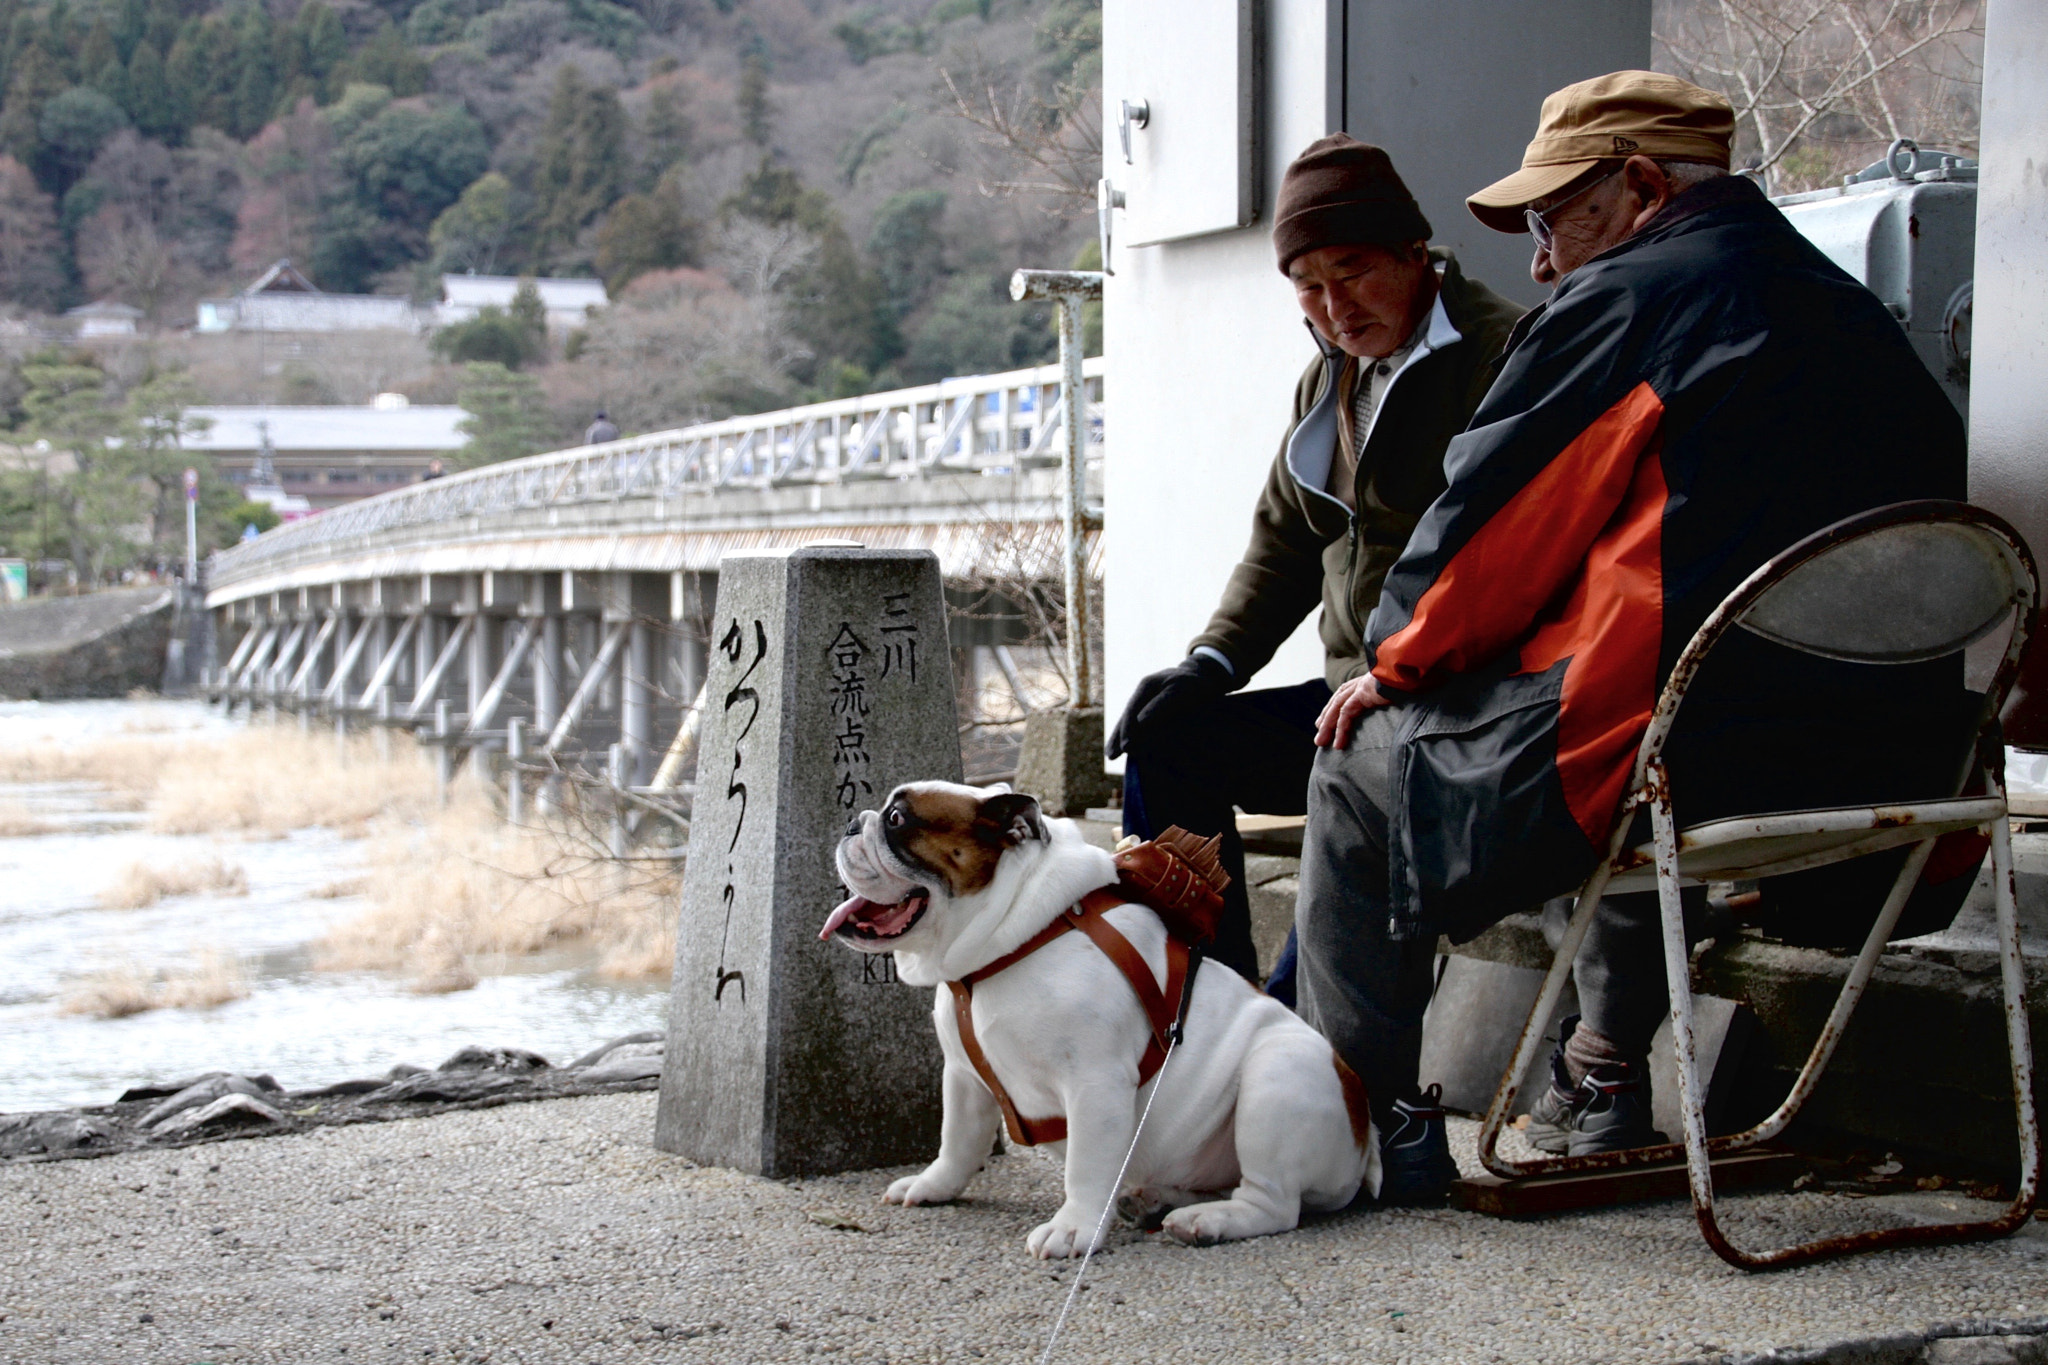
304, 1027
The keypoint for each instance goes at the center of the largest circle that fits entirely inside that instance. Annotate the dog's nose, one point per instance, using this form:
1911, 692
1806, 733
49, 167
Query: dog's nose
853, 827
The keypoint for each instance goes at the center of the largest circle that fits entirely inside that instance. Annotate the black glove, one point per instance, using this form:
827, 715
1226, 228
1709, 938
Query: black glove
1191, 682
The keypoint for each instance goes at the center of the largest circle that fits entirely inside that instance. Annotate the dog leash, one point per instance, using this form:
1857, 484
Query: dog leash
1173, 1041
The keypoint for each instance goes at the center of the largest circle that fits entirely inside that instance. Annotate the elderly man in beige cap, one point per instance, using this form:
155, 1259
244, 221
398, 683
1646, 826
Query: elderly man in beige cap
1406, 346
1696, 395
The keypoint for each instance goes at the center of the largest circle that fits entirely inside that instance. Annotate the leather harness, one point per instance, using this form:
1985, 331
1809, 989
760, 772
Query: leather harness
1163, 1009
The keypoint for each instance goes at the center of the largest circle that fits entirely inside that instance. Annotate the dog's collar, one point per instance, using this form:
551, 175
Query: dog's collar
1164, 1010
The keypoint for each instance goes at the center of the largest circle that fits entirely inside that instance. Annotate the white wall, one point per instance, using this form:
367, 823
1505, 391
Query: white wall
1204, 343
2009, 361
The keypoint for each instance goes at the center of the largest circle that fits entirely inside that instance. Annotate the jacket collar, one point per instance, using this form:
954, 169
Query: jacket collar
1313, 445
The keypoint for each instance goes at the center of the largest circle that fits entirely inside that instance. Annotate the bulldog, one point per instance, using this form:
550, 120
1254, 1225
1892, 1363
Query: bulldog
1255, 1117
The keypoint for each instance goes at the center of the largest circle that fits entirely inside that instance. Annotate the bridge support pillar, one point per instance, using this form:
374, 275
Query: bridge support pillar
636, 721
547, 675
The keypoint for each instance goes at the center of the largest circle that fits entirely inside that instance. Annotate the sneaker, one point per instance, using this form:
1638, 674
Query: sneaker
1613, 1111
1550, 1119
1416, 1169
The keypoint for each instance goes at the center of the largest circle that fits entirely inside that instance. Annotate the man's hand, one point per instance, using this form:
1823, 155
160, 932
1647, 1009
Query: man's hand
1346, 705
1191, 682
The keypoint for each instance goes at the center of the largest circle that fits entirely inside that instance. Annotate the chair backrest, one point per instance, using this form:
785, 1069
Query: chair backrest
1895, 585
1894, 593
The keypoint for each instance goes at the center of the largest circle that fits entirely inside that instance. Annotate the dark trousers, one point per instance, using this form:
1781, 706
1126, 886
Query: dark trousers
1366, 990
1250, 750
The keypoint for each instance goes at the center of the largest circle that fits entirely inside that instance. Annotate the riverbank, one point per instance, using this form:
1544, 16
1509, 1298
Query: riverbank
554, 1232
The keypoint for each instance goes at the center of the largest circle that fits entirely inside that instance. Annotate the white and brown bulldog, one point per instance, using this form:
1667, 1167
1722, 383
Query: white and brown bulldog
1255, 1118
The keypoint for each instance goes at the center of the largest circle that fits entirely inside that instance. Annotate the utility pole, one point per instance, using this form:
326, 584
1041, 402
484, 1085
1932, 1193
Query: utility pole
1070, 289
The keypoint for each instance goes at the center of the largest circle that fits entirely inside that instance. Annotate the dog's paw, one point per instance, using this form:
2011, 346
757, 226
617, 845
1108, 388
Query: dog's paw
1224, 1220
1058, 1239
920, 1189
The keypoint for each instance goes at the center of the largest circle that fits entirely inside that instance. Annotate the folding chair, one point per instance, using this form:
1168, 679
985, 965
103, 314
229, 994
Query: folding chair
1902, 584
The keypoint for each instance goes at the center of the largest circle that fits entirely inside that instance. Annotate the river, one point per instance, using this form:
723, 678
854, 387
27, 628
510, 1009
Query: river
304, 1026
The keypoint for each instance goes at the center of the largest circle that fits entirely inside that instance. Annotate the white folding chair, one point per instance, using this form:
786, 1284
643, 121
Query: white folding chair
1902, 584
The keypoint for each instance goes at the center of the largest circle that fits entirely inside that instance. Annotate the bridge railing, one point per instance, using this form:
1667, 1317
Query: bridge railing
979, 424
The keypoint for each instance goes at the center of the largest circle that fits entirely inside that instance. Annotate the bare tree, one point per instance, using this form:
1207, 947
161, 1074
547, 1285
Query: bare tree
125, 257
1038, 143
1821, 86
29, 273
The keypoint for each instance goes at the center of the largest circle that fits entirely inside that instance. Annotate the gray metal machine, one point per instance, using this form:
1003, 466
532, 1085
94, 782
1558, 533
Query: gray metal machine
1907, 227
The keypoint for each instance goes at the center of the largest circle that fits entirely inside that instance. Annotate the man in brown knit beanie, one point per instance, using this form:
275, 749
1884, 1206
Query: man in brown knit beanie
1406, 349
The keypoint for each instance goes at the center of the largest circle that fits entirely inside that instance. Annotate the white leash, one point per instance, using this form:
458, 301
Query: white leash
1172, 1042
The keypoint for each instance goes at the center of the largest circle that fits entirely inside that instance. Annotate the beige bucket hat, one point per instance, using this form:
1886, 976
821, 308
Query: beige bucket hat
1621, 114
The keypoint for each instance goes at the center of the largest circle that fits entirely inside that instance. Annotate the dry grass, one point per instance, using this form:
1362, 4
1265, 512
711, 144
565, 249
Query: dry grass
462, 887
265, 780
141, 885
213, 978
274, 779
18, 822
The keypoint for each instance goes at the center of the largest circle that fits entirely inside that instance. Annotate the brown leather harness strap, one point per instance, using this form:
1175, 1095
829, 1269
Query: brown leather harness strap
1162, 1008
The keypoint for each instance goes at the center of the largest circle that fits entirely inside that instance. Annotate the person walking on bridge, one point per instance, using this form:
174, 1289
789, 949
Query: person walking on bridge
1406, 346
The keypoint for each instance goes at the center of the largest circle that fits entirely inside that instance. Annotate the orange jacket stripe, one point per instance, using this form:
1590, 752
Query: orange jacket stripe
1506, 578
1612, 631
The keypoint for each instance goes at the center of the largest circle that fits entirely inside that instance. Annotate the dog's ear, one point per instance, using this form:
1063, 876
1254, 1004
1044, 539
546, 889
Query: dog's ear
1010, 818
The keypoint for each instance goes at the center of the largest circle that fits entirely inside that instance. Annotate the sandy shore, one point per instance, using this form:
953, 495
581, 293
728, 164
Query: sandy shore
553, 1232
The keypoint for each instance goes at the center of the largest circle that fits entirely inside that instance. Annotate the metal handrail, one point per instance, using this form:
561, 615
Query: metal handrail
904, 433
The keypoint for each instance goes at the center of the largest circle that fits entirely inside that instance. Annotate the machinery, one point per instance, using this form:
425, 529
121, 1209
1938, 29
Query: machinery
1907, 227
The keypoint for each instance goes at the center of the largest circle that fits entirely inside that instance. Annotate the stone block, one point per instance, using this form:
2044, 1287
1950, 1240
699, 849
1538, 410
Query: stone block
1061, 763
830, 683
2000, 1350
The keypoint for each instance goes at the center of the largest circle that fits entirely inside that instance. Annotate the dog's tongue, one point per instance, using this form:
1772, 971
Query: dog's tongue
883, 919
846, 911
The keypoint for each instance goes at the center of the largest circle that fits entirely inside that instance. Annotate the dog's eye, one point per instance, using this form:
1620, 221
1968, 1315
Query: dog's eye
894, 819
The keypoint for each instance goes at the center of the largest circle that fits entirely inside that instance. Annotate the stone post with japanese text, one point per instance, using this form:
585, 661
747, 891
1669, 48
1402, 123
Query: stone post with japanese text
830, 682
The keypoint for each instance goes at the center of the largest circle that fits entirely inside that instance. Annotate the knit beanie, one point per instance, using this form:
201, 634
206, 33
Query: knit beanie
1343, 192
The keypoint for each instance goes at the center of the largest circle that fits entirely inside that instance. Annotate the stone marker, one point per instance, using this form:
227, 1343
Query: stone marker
830, 682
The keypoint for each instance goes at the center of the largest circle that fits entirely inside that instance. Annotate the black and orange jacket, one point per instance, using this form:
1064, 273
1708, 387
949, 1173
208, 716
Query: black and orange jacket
1686, 405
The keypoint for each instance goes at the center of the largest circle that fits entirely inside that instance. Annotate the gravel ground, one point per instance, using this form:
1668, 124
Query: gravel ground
554, 1232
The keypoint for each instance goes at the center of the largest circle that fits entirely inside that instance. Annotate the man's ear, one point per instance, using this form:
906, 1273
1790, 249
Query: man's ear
1012, 817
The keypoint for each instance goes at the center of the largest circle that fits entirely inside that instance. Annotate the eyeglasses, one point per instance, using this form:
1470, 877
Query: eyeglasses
1539, 224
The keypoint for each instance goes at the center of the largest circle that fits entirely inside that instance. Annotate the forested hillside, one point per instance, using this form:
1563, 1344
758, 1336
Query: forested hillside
781, 195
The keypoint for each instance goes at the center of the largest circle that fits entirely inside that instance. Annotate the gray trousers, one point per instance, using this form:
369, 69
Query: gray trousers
1366, 991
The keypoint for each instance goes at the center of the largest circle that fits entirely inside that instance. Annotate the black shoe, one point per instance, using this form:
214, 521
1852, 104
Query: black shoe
1416, 1169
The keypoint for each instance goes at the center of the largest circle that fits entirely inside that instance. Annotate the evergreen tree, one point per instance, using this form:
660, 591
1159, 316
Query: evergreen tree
646, 232
149, 100
756, 114
161, 25
667, 131
582, 169
385, 60
325, 45
112, 81
908, 247
508, 417
255, 91
469, 235
36, 81
131, 23
97, 50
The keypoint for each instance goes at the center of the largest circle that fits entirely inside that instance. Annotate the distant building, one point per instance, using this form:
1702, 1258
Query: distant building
329, 455
568, 301
104, 319
283, 300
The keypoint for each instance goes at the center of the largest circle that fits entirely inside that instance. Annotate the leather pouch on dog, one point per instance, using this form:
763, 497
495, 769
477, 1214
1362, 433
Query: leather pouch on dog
1180, 877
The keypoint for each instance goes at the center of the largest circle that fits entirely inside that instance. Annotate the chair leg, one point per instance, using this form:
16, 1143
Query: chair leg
1510, 1086
1678, 983
2018, 1037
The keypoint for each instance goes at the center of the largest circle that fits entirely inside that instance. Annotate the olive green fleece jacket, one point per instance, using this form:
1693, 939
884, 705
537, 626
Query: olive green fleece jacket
1306, 546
